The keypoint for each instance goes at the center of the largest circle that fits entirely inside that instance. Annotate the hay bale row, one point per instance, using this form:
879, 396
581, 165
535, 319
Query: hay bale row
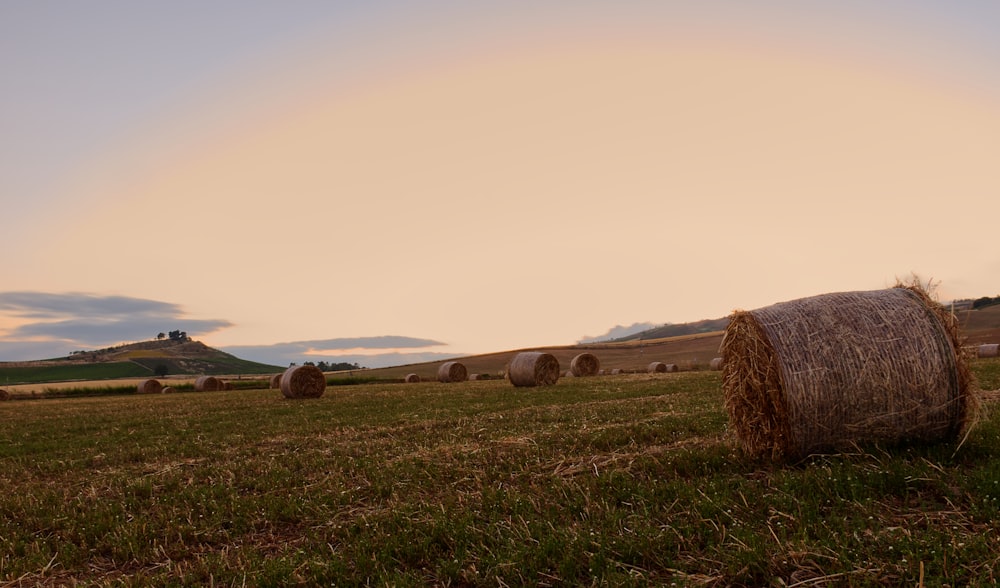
208, 384
988, 350
534, 368
303, 381
452, 371
819, 373
150, 386
585, 364
658, 367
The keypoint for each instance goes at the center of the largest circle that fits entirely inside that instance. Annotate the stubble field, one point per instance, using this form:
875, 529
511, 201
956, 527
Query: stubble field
624, 480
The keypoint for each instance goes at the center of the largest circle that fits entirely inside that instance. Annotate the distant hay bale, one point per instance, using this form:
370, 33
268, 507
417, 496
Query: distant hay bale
585, 364
715, 364
150, 386
473, 377
568, 374
208, 384
534, 368
411, 378
168, 390
452, 371
819, 373
4, 395
303, 381
275, 383
226, 385
988, 350
617, 371
657, 367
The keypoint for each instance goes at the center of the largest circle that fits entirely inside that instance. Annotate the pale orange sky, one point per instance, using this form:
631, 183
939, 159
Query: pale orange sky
533, 186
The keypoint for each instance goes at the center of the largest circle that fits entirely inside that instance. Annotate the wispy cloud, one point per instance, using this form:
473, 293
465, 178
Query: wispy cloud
36, 325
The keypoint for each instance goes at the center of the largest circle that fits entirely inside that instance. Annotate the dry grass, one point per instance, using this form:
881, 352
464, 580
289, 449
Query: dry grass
303, 381
452, 371
818, 373
150, 386
585, 364
534, 368
208, 384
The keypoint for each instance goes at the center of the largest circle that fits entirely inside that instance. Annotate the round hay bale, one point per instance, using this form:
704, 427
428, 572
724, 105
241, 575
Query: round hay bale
473, 377
815, 374
534, 368
988, 350
657, 367
585, 364
715, 364
568, 374
617, 371
303, 381
275, 383
452, 371
411, 378
208, 384
150, 386
4, 395
168, 390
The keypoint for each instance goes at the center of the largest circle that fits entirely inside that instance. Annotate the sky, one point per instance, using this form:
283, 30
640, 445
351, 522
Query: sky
392, 182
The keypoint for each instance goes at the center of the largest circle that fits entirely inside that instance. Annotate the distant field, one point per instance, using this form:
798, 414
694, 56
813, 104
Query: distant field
624, 480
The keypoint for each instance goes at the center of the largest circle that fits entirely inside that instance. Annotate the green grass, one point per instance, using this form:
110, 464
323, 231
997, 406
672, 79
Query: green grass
609, 481
62, 373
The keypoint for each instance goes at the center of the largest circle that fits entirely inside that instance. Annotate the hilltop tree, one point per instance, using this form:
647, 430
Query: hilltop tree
161, 336
178, 335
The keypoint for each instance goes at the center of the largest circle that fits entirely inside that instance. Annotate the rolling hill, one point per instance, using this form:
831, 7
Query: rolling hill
689, 345
145, 358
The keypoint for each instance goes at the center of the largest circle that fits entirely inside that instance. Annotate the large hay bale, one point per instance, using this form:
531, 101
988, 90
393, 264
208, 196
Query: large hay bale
715, 364
208, 384
988, 350
452, 371
819, 373
412, 378
303, 381
534, 368
150, 386
585, 364
275, 382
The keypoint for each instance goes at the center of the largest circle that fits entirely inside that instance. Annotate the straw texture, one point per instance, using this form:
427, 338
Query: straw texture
303, 381
208, 384
818, 373
657, 367
534, 368
150, 387
452, 371
585, 364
